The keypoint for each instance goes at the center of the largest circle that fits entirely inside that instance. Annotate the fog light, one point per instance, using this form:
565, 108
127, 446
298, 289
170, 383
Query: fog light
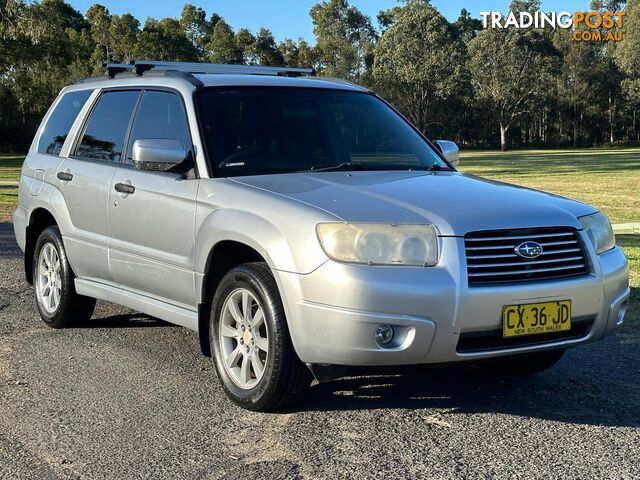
384, 335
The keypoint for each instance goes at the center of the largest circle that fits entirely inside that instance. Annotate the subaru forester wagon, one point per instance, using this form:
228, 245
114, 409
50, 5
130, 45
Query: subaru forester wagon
300, 225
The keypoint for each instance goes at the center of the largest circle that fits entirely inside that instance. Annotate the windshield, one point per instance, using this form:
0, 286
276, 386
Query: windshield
263, 130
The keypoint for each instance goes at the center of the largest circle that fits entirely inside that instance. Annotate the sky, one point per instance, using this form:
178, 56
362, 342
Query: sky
290, 18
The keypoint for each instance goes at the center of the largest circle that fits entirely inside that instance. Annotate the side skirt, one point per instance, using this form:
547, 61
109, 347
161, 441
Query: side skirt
150, 306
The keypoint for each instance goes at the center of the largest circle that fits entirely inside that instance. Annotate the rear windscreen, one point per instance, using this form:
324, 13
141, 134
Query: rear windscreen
60, 121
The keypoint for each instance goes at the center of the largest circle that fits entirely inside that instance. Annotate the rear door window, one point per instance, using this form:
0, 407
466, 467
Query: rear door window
57, 128
104, 134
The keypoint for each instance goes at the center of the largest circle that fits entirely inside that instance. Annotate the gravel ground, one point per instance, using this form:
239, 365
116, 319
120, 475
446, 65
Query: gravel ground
128, 396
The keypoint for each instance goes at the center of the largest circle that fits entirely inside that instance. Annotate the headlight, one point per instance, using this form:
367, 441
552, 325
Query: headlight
380, 244
599, 231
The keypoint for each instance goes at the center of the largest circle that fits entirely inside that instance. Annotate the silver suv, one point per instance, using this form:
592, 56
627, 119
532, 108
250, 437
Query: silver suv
300, 225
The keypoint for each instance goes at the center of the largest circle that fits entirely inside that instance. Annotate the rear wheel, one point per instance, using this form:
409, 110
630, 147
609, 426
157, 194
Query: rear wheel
249, 338
527, 363
56, 298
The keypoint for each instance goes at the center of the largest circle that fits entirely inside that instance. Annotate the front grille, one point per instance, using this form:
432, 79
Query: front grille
473, 342
491, 256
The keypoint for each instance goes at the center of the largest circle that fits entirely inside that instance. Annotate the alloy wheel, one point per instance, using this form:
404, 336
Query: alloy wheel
244, 338
49, 281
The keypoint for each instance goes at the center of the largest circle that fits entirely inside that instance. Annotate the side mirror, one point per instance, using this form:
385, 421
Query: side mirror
157, 154
450, 151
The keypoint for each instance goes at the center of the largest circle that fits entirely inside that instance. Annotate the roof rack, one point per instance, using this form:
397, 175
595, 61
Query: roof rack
140, 66
114, 68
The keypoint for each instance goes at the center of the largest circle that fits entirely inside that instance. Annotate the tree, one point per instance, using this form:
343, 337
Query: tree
386, 18
510, 69
627, 54
307, 55
222, 47
466, 26
290, 52
608, 5
266, 51
246, 45
530, 6
612, 79
193, 21
123, 33
165, 40
299, 55
419, 61
575, 79
448, 78
99, 20
344, 39
627, 57
631, 90
37, 50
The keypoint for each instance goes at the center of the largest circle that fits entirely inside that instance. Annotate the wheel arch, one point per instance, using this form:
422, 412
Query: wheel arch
228, 237
222, 257
239, 236
39, 219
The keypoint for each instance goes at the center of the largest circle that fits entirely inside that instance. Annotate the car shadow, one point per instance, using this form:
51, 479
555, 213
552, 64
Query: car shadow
584, 388
121, 321
597, 384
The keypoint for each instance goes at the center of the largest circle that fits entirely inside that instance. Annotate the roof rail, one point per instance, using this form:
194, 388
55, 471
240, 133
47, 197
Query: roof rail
172, 73
140, 66
340, 81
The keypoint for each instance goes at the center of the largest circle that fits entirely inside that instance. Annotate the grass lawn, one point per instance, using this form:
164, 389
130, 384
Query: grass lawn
9, 172
10, 166
607, 179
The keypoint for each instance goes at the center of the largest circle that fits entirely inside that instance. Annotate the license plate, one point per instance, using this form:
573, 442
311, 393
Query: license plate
536, 318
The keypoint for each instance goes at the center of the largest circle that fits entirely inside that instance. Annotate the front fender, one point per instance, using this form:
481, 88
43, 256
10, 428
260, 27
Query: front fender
263, 236
296, 252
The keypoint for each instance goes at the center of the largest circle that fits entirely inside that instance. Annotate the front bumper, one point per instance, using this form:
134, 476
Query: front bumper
333, 312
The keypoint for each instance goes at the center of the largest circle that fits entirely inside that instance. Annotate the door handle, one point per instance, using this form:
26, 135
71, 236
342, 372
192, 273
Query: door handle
65, 176
124, 188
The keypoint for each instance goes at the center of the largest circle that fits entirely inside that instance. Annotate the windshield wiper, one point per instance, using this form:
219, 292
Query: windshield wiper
338, 167
346, 166
438, 168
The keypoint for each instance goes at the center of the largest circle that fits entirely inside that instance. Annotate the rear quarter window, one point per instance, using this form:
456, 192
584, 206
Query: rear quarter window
60, 121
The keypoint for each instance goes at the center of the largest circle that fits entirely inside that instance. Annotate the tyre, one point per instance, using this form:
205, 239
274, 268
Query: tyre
249, 338
53, 280
527, 363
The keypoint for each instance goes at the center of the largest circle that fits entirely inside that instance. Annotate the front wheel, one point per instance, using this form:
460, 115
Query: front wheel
56, 298
526, 363
249, 338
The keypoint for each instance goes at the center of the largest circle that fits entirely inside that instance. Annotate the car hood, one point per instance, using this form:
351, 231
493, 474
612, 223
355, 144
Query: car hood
456, 203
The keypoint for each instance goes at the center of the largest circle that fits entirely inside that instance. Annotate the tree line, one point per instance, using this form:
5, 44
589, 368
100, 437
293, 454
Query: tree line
480, 87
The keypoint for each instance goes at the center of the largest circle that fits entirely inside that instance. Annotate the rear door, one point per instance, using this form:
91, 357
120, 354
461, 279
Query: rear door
85, 179
153, 228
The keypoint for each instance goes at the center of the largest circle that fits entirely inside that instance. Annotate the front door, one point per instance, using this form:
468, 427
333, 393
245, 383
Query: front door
152, 226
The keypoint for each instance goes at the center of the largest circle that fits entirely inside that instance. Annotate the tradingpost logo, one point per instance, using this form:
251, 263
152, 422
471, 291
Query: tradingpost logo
586, 26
